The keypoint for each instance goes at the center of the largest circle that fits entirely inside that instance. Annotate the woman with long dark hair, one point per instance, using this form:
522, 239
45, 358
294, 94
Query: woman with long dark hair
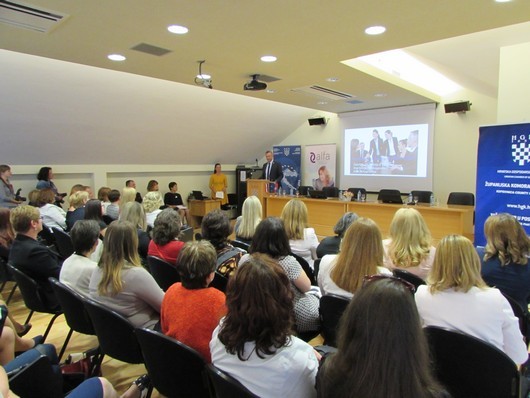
94, 211
270, 238
254, 342
382, 351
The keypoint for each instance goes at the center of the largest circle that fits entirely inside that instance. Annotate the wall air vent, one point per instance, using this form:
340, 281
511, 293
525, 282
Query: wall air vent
323, 92
27, 16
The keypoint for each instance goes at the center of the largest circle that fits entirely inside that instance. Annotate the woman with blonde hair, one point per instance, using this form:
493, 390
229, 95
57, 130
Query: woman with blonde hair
505, 257
152, 203
302, 239
76, 211
361, 254
409, 245
128, 195
134, 213
457, 298
248, 221
121, 283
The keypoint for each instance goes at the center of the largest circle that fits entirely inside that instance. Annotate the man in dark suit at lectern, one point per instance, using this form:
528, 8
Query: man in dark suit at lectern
272, 170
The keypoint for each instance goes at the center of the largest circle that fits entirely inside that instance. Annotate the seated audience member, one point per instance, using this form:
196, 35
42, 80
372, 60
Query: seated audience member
165, 233
76, 211
457, 298
361, 254
270, 239
129, 194
94, 211
152, 203
505, 257
77, 269
380, 334
152, 186
409, 245
88, 189
103, 197
7, 194
113, 209
256, 335
191, 310
249, 219
302, 239
331, 244
45, 178
174, 200
215, 227
134, 213
33, 197
52, 215
7, 234
137, 195
77, 188
29, 255
121, 283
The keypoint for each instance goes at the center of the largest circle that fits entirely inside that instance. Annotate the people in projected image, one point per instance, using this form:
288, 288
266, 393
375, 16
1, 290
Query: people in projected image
324, 179
390, 146
407, 161
376, 147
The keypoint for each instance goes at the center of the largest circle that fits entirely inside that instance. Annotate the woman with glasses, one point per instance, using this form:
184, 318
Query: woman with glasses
457, 298
361, 254
375, 358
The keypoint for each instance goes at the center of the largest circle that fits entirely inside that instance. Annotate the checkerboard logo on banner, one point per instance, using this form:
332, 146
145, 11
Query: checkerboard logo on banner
520, 151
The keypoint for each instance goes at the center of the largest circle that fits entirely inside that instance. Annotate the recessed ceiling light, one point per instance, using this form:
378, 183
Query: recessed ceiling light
322, 102
375, 30
270, 91
502, 1
380, 95
332, 79
268, 58
177, 29
116, 57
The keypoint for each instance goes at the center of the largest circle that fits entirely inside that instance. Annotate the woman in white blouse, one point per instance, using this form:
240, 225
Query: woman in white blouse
457, 298
361, 254
302, 239
52, 215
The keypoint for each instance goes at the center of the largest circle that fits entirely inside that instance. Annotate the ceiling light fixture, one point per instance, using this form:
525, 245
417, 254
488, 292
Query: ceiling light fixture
116, 57
270, 91
203, 79
177, 29
375, 30
268, 58
502, 1
332, 79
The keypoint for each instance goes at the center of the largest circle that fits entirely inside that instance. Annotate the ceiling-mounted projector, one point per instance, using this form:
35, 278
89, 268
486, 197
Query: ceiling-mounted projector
254, 85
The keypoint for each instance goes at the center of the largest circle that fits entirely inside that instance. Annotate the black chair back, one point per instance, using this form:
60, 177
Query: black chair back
242, 245
115, 333
6, 276
307, 269
303, 190
164, 273
73, 307
331, 309
186, 234
519, 312
423, 196
175, 369
390, 196
469, 367
331, 192
409, 277
63, 242
47, 235
225, 386
219, 282
37, 380
355, 192
461, 198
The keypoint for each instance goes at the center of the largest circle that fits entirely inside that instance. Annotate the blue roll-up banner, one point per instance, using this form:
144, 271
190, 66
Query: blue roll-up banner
503, 175
290, 157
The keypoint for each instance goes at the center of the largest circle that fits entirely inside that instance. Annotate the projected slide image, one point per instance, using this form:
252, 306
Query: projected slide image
386, 150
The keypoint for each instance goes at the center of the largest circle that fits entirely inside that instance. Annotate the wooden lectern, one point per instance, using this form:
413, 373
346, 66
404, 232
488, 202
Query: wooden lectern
258, 188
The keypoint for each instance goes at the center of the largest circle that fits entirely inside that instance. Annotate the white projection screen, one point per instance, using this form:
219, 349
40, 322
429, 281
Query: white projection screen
388, 148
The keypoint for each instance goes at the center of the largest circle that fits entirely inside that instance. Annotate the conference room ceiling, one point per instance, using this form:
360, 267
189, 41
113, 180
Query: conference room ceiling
310, 39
